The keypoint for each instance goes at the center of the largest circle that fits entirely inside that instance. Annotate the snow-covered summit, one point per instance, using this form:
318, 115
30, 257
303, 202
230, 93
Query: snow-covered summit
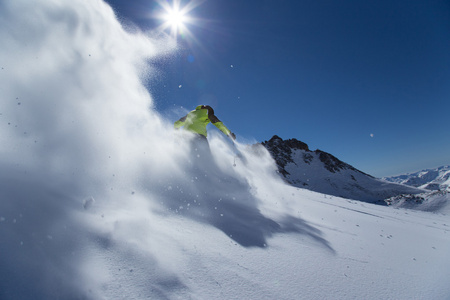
322, 172
430, 179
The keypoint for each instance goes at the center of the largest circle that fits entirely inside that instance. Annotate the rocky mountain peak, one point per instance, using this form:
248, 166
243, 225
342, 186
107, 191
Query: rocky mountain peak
322, 172
282, 150
276, 141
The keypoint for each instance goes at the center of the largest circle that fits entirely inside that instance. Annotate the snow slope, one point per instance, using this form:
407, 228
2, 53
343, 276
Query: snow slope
275, 242
98, 202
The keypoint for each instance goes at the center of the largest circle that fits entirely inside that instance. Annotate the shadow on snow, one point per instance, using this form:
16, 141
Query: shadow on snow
211, 196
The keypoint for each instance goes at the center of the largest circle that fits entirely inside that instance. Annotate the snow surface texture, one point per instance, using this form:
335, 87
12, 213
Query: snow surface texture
100, 199
322, 172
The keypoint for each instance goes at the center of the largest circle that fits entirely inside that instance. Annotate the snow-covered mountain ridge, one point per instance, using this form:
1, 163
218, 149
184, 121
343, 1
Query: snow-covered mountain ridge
322, 172
436, 182
430, 179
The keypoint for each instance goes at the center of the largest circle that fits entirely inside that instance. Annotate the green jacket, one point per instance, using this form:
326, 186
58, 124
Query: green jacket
197, 120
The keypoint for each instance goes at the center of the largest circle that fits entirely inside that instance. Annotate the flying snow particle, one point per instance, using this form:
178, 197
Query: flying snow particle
180, 86
371, 135
87, 203
231, 66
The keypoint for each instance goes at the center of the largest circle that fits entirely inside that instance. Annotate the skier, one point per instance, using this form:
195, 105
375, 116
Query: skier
196, 121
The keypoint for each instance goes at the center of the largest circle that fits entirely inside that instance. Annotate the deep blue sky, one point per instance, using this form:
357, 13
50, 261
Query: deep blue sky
329, 73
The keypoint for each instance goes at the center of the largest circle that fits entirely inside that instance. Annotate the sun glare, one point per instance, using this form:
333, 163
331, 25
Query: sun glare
175, 17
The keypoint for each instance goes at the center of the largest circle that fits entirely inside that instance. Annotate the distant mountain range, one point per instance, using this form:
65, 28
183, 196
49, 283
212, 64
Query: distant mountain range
435, 181
430, 179
322, 172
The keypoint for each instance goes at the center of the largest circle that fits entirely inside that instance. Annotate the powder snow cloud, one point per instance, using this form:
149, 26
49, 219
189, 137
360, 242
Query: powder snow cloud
88, 163
76, 124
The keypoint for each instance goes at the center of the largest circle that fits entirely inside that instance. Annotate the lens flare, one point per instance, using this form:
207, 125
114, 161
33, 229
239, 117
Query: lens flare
175, 17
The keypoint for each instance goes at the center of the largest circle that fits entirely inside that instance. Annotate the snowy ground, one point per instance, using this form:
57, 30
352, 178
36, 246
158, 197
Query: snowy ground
294, 244
100, 199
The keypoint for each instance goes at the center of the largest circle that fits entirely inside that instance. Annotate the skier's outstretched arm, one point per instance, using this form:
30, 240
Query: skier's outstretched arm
221, 126
180, 122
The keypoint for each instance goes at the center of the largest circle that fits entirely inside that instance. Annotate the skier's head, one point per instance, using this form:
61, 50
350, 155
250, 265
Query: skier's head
209, 108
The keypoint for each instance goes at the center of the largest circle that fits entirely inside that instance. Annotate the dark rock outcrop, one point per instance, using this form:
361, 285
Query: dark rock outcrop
322, 172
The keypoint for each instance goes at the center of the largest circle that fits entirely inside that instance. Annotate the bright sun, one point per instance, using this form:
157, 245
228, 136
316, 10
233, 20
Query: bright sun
175, 17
